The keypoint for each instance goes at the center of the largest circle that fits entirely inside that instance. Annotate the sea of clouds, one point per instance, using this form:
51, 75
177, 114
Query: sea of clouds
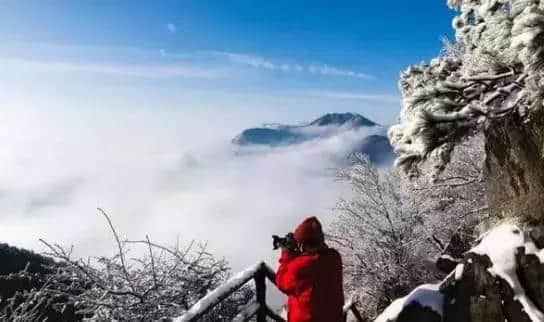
162, 173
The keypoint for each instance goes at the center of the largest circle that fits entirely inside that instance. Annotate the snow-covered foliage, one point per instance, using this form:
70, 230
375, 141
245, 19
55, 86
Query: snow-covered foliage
164, 283
380, 235
26, 305
458, 193
494, 69
391, 231
247, 312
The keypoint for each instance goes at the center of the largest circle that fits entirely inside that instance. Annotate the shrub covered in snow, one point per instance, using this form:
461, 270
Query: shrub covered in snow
163, 283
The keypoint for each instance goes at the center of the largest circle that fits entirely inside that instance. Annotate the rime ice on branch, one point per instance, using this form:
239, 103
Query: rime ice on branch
493, 70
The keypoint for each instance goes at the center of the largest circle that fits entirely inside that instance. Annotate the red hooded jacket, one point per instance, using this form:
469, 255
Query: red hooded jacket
313, 283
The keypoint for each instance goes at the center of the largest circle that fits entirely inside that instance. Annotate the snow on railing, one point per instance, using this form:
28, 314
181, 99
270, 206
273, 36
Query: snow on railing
259, 272
216, 296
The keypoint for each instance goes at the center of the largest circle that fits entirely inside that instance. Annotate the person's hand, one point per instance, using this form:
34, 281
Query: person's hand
288, 242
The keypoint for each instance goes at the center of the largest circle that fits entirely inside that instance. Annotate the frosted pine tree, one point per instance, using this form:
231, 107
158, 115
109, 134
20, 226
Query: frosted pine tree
489, 80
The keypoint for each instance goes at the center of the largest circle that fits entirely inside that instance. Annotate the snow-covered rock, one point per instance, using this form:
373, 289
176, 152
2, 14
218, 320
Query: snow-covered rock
499, 280
426, 300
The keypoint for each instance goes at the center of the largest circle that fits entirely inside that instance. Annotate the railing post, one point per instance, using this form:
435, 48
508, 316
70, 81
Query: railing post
356, 313
260, 289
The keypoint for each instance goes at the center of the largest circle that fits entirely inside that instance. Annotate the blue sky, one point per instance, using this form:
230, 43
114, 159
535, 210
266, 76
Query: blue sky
292, 60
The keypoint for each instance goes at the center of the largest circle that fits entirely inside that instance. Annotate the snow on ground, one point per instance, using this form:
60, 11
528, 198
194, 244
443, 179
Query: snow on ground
500, 245
459, 269
426, 295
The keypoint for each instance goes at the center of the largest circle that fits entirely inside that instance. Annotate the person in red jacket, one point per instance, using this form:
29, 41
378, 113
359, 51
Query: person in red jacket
311, 277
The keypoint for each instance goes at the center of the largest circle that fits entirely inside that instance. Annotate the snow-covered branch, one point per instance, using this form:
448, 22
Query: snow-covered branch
493, 71
160, 282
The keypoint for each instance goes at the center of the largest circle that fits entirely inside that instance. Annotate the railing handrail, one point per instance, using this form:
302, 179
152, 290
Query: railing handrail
259, 272
216, 296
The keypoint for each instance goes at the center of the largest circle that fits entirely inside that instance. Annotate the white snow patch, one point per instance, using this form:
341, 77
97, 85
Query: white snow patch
459, 271
448, 257
500, 245
426, 295
391, 312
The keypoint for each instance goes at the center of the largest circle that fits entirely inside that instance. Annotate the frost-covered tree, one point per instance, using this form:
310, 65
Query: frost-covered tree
391, 231
490, 80
454, 203
379, 237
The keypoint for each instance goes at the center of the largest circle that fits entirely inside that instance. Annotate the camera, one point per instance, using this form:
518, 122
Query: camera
287, 242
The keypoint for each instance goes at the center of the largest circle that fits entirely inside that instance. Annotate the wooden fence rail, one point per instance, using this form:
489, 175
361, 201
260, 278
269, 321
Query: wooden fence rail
259, 272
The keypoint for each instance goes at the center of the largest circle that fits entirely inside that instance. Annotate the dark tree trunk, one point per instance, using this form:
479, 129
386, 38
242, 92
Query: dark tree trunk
514, 169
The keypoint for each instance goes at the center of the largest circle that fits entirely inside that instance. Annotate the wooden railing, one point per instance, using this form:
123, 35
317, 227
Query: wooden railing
259, 273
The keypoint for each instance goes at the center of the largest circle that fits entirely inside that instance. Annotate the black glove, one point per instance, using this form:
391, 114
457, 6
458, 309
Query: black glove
288, 242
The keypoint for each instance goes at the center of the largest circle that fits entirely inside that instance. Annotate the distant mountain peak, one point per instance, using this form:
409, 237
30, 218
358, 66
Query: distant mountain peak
273, 135
267, 136
341, 119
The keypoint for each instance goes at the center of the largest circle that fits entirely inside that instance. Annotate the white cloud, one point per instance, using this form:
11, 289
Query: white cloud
363, 96
171, 27
151, 70
253, 61
333, 71
261, 63
203, 64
